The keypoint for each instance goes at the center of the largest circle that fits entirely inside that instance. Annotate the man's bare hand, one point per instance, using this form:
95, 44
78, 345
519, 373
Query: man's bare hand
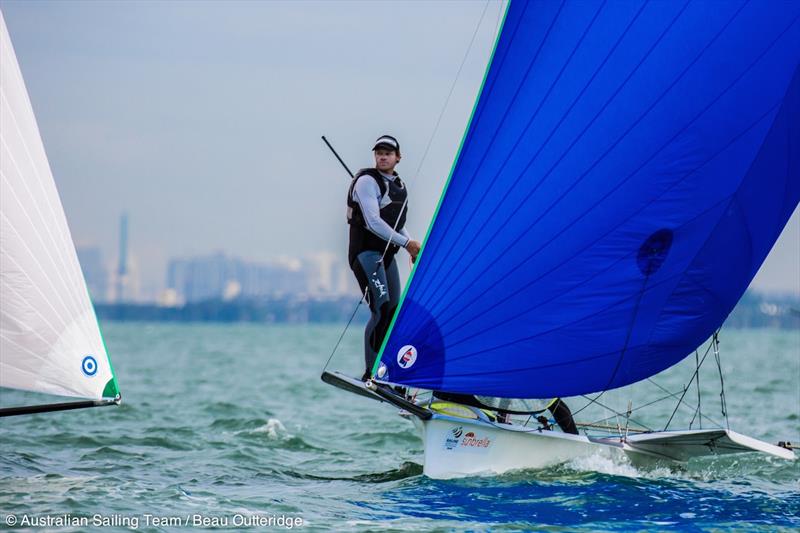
413, 249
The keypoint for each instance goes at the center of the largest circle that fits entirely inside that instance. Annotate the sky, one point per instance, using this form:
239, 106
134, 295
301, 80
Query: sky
202, 120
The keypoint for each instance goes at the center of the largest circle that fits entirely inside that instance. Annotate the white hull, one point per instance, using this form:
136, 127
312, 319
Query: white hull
456, 447
450, 451
460, 440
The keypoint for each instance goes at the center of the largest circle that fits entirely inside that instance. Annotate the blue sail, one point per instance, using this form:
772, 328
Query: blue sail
626, 170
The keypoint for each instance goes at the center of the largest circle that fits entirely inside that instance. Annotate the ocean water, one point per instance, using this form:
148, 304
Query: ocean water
230, 427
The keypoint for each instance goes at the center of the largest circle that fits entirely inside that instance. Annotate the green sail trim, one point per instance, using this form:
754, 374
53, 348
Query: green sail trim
111, 390
441, 198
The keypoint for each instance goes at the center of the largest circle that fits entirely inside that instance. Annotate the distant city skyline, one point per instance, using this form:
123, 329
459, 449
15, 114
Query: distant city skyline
202, 121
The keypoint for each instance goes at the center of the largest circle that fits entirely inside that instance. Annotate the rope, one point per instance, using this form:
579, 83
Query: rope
452, 88
352, 316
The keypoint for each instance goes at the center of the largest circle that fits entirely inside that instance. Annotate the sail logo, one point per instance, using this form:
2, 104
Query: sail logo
407, 356
453, 438
89, 366
471, 441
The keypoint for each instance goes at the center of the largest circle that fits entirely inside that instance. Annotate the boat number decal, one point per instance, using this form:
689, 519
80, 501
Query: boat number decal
407, 356
457, 440
89, 365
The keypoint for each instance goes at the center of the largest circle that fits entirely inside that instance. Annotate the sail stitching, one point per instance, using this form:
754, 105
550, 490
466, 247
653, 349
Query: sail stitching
25, 327
491, 183
27, 301
20, 81
586, 128
72, 307
64, 245
63, 261
34, 285
41, 268
611, 230
700, 114
47, 362
599, 312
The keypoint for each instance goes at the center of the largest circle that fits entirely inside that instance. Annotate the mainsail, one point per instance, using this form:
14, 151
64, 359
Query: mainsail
627, 168
50, 341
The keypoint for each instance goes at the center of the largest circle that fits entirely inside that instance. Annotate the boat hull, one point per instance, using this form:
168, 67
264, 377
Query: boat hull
457, 447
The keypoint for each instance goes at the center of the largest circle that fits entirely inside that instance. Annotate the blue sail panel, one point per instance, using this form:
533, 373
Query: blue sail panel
626, 171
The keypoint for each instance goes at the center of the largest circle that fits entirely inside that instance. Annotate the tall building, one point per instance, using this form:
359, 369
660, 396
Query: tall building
122, 279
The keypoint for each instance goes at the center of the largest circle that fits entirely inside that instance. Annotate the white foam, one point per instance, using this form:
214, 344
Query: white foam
608, 462
275, 429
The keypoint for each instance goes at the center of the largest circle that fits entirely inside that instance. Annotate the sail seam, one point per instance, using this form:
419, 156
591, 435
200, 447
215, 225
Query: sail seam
425, 300
60, 245
69, 308
34, 285
64, 263
46, 322
604, 309
608, 150
610, 231
656, 153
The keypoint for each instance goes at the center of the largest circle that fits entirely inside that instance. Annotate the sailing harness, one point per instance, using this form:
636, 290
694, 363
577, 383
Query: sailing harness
393, 210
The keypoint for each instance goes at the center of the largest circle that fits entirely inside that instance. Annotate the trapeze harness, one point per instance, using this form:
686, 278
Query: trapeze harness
361, 238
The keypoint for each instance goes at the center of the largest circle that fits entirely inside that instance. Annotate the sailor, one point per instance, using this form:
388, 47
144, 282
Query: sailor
376, 212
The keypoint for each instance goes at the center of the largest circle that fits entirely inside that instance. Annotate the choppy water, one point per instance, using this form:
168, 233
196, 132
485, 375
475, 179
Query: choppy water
231, 423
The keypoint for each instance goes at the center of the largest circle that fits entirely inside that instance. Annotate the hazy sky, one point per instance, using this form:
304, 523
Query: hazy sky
202, 120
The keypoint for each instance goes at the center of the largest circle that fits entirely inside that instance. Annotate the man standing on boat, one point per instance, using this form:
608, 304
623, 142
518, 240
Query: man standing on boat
377, 203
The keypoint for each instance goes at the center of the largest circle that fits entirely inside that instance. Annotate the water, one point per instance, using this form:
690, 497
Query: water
231, 422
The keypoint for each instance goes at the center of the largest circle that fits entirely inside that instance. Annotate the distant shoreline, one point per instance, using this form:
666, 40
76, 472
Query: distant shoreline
755, 310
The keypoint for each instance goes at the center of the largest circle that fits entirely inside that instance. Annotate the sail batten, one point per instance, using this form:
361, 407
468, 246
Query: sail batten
624, 177
50, 341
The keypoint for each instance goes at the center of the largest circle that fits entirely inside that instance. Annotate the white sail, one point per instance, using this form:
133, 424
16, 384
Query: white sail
50, 341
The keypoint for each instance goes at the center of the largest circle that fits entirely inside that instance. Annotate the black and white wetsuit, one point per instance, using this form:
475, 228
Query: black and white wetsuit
376, 213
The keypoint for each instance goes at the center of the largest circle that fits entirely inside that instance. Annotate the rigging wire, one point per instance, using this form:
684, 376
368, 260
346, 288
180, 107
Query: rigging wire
675, 395
724, 405
699, 401
696, 373
609, 409
698, 365
416, 173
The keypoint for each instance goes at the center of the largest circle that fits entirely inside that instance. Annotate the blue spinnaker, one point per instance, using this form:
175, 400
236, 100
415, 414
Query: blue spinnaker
627, 169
